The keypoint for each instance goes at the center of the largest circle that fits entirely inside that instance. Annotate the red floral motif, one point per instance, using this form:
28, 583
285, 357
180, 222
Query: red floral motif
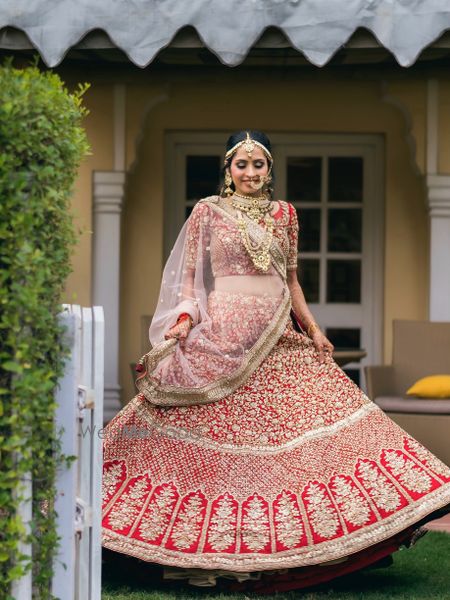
294, 465
158, 517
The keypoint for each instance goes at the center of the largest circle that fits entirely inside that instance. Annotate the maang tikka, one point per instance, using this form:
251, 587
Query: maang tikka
249, 145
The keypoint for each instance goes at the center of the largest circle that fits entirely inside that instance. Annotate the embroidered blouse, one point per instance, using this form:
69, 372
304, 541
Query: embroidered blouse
223, 241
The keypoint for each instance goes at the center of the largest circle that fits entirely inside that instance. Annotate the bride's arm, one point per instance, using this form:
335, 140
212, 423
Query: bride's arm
187, 309
299, 304
300, 308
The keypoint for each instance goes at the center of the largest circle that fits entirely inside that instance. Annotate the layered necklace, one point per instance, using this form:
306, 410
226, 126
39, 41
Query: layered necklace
257, 208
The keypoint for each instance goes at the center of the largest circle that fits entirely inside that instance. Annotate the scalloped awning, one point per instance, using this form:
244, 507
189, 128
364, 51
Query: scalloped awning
229, 28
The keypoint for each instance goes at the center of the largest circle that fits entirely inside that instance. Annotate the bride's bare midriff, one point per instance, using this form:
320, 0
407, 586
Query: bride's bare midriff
252, 285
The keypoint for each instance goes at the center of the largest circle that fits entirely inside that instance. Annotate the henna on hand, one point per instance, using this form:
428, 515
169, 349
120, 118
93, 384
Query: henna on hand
181, 328
322, 344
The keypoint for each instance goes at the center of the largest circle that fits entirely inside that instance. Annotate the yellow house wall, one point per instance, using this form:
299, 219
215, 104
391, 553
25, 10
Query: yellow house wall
99, 128
208, 104
444, 127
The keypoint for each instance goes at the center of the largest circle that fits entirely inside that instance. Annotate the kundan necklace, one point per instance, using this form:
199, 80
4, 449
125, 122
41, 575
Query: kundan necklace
257, 208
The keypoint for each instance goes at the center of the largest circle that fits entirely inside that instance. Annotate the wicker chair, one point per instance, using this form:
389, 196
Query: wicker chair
420, 348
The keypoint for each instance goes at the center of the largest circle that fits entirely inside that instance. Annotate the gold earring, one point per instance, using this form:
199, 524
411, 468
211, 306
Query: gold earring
228, 181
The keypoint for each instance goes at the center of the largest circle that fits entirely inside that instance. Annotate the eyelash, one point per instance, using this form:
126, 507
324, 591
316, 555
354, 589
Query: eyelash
257, 165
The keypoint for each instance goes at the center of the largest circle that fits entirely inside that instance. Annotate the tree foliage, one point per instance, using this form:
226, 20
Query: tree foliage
41, 145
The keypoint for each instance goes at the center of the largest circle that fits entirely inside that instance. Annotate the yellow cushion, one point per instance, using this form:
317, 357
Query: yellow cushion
433, 386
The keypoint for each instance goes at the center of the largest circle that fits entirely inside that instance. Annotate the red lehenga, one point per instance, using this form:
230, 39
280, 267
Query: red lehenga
245, 456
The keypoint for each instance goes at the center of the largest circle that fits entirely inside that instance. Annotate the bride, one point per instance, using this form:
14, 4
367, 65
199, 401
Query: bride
248, 454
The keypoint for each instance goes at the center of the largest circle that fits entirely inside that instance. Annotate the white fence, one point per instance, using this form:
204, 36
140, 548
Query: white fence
79, 420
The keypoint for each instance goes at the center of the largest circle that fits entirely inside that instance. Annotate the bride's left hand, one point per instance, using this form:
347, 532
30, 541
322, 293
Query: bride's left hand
322, 345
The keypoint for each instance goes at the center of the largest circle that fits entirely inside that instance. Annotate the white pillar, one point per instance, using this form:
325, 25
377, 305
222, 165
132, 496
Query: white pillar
439, 210
108, 199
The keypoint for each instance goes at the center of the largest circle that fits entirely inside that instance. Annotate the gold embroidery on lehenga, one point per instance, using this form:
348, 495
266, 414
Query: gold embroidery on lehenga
351, 503
426, 457
222, 528
202, 437
305, 555
288, 521
380, 489
409, 474
321, 512
157, 515
255, 524
187, 527
112, 476
127, 508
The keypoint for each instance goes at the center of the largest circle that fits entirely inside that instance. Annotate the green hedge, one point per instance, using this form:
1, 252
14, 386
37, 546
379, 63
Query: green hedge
41, 145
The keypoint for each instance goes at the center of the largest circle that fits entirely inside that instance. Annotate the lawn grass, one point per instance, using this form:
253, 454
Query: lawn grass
422, 571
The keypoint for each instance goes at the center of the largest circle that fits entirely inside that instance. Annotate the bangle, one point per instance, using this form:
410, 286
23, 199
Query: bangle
312, 326
183, 317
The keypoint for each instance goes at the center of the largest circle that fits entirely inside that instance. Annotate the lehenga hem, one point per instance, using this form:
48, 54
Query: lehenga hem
323, 552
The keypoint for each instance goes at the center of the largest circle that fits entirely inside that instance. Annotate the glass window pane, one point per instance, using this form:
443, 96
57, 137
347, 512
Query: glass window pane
354, 374
345, 179
303, 178
309, 234
202, 176
344, 281
308, 277
344, 229
344, 338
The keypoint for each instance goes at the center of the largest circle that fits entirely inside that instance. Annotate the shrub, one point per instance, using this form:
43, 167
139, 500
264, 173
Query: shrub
41, 145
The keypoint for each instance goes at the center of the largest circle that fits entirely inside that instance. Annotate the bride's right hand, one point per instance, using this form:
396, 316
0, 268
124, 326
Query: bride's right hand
180, 330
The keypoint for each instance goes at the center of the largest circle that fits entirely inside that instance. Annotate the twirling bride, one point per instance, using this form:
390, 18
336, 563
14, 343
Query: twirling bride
248, 453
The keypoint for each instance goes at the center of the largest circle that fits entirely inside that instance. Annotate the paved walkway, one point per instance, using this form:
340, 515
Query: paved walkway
442, 524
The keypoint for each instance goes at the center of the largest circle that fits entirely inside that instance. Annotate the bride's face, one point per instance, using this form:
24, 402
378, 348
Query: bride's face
244, 169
